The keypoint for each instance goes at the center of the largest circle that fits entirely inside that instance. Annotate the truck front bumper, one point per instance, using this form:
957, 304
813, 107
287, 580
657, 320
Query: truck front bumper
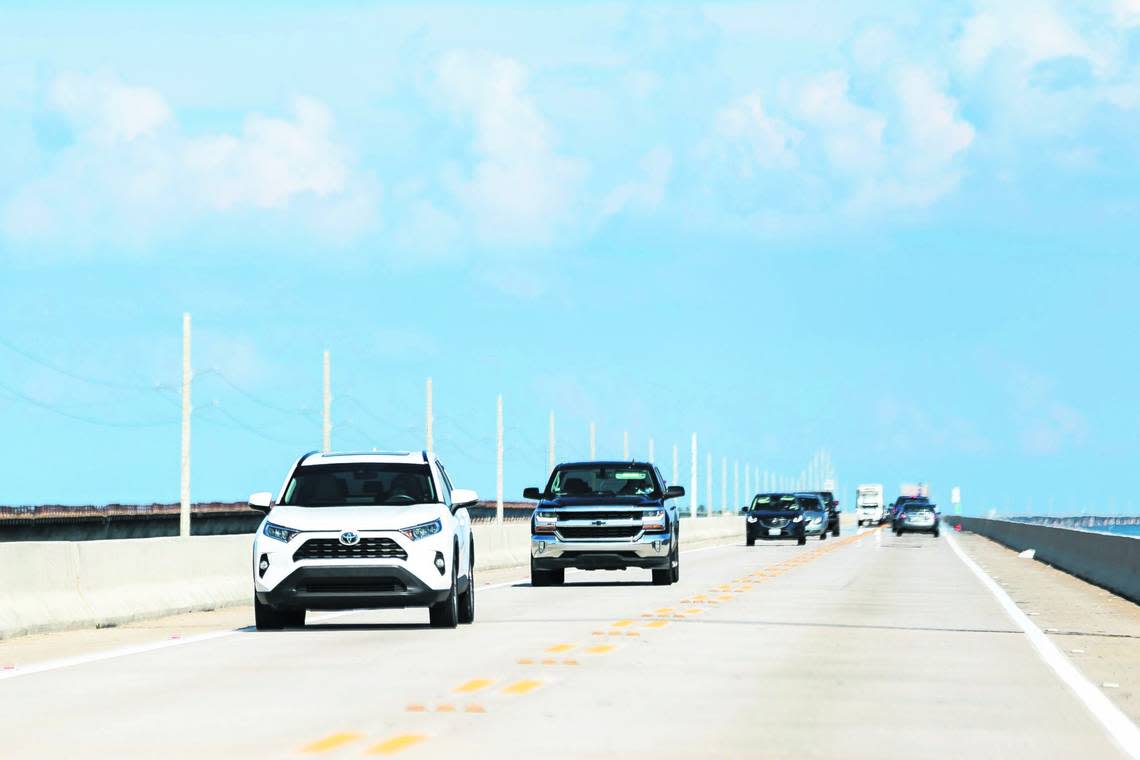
649, 551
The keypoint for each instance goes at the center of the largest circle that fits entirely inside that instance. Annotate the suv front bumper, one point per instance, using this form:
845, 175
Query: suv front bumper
352, 587
651, 550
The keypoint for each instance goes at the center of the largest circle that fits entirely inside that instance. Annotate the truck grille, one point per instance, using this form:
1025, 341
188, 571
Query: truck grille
578, 514
332, 548
621, 531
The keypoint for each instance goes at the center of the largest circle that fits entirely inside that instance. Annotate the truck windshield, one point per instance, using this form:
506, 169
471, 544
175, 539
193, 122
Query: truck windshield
604, 480
368, 484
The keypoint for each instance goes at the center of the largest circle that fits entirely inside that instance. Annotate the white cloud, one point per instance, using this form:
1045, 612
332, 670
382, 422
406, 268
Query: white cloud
1126, 13
1030, 32
647, 192
520, 189
767, 142
133, 174
852, 135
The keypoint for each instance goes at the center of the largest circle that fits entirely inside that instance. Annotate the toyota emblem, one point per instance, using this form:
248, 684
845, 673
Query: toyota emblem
350, 538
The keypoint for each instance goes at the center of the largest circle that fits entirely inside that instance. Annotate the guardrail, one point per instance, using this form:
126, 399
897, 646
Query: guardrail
1106, 560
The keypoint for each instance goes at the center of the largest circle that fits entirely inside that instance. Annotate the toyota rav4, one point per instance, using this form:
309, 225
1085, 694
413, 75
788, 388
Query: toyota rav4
364, 531
604, 516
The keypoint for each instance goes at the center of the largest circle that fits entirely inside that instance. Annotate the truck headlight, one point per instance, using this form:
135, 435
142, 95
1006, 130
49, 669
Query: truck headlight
280, 532
653, 522
544, 522
423, 530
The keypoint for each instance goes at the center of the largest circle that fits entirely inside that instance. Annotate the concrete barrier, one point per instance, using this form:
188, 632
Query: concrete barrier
57, 585
1112, 562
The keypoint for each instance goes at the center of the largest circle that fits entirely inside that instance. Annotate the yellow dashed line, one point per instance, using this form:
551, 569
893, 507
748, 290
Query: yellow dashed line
524, 686
560, 648
599, 649
474, 685
396, 744
622, 623
663, 610
657, 624
332, 741
694, 611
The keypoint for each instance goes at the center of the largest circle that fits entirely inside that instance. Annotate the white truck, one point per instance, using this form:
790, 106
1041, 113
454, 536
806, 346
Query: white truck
870, 508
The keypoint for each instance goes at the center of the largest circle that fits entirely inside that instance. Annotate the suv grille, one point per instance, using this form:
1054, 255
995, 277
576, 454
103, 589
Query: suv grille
623, 531
350, 586
332, 548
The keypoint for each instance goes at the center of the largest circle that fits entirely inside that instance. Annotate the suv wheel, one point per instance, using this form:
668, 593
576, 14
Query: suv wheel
749, 541
801, 540
445, 614
467, 598
265, 618
835, 530
823, 536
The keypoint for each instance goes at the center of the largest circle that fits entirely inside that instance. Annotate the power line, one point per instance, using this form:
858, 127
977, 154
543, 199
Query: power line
14, 393
75, 375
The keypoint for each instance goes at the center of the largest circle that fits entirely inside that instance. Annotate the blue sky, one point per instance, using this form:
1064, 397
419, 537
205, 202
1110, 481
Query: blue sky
903, 232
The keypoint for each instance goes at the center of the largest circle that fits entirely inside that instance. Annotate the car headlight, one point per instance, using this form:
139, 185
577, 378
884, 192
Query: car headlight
280, 532
751, 518
798, 519
423, 530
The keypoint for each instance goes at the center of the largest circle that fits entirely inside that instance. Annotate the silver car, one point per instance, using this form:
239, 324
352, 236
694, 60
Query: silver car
814, 514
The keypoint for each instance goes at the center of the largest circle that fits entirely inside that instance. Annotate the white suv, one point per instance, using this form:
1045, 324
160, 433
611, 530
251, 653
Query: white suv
364, 531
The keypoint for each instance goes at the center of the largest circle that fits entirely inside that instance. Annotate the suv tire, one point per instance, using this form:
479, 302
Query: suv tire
265, 618
823, 536
750, 541
445, 614
467, 598
801, 540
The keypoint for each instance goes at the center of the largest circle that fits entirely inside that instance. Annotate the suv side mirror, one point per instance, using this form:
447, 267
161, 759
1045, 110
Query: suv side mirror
262, 501
532, 493
674, 492
463, 497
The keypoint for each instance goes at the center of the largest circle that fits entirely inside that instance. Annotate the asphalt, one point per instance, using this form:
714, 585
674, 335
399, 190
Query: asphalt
865, 646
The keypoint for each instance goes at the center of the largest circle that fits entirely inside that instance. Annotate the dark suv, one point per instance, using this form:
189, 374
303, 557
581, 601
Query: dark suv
832, 511
604, 516
776, 516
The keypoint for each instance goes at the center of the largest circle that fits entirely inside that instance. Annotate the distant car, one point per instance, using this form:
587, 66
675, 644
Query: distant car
605, 516
364, 531
902, 501
917, 517
832, 504
776, 516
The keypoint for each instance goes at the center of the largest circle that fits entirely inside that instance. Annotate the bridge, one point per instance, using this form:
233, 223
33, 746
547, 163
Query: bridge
869, 645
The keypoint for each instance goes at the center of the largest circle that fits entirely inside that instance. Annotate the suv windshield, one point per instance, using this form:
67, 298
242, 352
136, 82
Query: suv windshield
367, 484
604, 480
808, 502
775, 502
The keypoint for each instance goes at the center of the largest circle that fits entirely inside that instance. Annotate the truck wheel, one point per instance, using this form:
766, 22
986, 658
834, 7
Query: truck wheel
538, 577
445, 614
467, 598
557, 576
835, 531
676, 569
265, 618
936, 532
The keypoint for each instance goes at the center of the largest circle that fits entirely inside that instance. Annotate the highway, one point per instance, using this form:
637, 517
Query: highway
869, 645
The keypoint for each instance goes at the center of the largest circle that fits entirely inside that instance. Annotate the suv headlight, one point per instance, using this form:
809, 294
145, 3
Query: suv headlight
423, 530
280, 532
751, 518
798, 519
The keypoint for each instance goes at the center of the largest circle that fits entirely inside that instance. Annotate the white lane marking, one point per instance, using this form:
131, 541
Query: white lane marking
1118, 725
112, 654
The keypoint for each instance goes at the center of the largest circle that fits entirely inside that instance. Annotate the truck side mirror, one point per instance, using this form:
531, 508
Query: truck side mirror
674, 492
532, 493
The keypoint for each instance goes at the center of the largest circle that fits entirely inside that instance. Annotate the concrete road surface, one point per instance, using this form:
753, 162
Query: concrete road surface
864, 646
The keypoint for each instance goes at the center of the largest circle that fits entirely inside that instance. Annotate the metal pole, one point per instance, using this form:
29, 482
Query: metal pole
550, 445
593, 441
724, 484
676, 466
499, 461
651, 452
747, 483
693, 478
708, 484
428, 419
625, 445
326, 407
736, 485
184, 500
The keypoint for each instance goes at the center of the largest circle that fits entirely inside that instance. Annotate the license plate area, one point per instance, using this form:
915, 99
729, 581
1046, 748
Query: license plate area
774, 531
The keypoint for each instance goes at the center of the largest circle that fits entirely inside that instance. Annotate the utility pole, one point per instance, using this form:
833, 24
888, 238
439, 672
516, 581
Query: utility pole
676, 466
326, 407
651, 453
736, 484
428, 418
593, 441
499, 462
708, 484
184, 500
724, 484
693, 478
747, 483
625, 445
550, 445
